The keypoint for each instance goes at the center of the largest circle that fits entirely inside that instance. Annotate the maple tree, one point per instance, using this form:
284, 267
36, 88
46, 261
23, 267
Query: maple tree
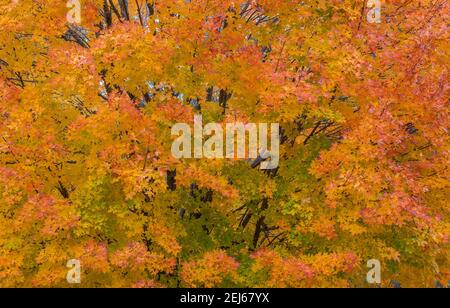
86, 170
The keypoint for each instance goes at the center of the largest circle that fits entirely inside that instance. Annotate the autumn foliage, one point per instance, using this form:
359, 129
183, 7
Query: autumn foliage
86, 170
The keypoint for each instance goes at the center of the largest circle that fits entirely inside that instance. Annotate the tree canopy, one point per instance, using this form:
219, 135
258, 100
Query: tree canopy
86, 170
